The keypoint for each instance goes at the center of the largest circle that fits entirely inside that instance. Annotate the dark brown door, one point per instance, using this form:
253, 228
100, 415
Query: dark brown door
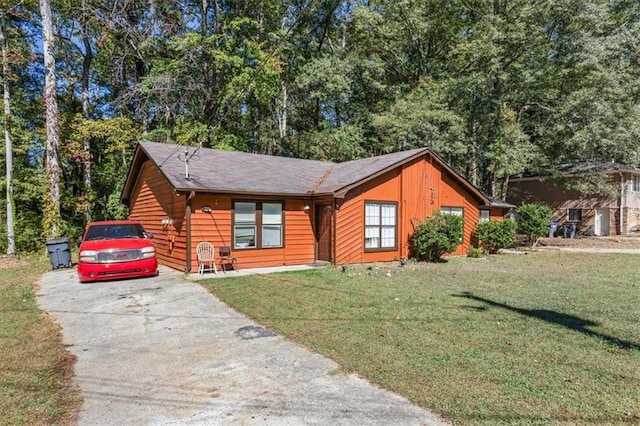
323, 231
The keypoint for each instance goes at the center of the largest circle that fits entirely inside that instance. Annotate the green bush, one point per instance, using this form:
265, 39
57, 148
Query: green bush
437, 235
534, 221
494, 235
474, 252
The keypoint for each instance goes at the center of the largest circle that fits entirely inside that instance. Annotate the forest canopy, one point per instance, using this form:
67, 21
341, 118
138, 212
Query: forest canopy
495, 88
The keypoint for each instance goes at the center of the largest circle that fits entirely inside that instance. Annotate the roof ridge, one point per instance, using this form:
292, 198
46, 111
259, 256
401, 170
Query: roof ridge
323, 178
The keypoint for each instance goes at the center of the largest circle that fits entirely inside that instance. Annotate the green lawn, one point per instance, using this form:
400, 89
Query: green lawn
543, 338
35, 368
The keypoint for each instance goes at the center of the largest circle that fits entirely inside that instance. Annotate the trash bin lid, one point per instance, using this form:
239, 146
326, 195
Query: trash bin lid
60, 240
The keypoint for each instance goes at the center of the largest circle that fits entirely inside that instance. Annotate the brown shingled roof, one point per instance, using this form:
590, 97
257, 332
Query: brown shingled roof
350, 173
232, 171
235, 172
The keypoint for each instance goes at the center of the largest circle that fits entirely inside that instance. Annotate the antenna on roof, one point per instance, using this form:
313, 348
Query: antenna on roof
186, 162
185, 156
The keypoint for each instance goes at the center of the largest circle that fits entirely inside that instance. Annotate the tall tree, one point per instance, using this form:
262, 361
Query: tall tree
86, 143
498, 63
4, 46
52, 218
595, 60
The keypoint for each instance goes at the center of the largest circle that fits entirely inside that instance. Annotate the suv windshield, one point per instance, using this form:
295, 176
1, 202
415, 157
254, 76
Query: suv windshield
105, 232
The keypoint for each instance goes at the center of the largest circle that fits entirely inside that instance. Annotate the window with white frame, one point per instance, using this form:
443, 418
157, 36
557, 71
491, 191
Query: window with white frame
271, 225
257, 224
458, 211
635, 183
485, 216
380, 225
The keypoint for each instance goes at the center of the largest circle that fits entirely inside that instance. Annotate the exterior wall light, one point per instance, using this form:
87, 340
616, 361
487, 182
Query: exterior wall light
306, 207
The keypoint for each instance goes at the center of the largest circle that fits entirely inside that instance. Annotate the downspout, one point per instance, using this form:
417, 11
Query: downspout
334, 234
187, 267
621, 204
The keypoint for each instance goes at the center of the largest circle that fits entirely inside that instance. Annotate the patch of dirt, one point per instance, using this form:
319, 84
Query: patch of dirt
9, 262
620, 242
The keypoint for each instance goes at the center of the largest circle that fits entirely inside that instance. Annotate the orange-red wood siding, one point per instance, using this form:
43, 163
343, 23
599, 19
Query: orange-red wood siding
162, 212
216, 228
418, 188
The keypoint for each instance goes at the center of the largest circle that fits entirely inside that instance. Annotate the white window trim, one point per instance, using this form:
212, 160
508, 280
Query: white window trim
380, 227
258, 225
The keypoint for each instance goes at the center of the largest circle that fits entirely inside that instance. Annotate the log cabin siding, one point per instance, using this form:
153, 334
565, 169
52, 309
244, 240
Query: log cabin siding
162, 212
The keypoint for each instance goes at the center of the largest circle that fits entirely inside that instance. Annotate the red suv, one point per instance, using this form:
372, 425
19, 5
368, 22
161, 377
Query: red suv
116, 249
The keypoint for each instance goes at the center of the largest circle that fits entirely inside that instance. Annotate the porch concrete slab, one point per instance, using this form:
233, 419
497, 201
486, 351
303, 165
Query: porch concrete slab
164, 351
194, 276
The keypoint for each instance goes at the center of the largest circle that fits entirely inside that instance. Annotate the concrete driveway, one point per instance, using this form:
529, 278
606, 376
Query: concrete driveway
163, 351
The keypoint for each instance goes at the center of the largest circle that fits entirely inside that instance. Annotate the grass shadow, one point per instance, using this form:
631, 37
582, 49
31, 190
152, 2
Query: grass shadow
571, 322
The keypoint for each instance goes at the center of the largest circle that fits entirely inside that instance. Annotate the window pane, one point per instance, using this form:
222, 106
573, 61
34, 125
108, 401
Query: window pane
272, 213
452, 210
271, 236
245, 236
372, 237
575, 214
485, 216
372, 214
372, 231
388, 214
388, 236
372, 243
245, 212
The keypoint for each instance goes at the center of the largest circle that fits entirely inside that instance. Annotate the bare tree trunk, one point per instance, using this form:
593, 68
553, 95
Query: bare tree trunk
86, 67
11, 241
255, 134
282, 115
52, 166
204, 25
216, 14
472, 153
505, 188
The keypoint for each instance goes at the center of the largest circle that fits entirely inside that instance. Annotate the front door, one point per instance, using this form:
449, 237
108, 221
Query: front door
602, 222
323, 231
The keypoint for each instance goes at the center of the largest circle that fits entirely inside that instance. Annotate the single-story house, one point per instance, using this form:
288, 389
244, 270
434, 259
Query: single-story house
275, 211
613, 210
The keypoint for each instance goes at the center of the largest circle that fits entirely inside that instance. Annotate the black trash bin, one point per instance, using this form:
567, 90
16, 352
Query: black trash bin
569, 229
553, 228
59, 252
